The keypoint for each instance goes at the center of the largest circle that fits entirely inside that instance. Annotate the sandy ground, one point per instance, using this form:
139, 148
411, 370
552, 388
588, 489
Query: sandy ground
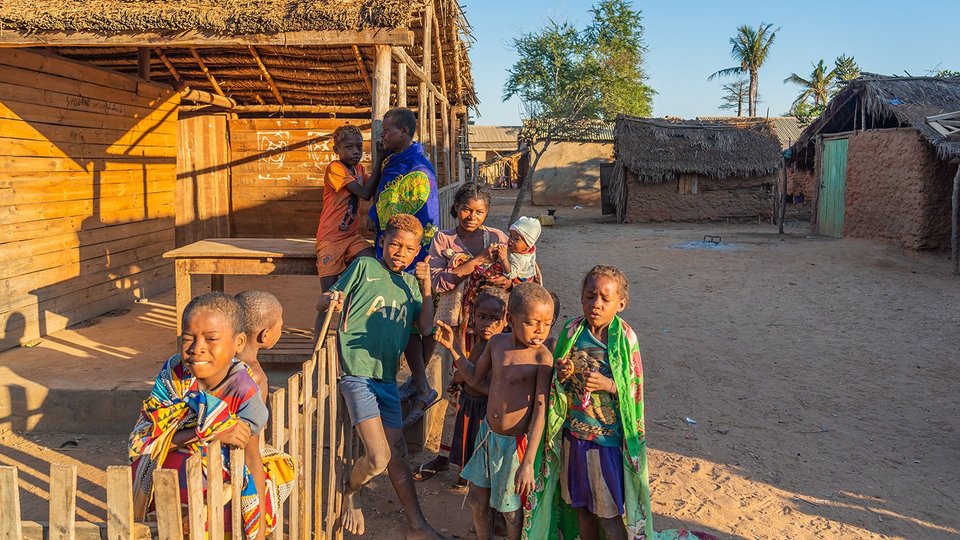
822, 376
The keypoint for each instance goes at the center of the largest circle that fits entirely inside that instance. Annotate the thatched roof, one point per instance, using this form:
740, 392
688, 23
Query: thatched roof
659, 150
887, 102
312, 73
786, 128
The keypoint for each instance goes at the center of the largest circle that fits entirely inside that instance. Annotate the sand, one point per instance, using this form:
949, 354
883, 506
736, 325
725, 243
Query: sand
822, 376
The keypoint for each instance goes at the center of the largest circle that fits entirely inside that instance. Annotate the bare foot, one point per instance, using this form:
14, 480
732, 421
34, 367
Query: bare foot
425, 532
351, 518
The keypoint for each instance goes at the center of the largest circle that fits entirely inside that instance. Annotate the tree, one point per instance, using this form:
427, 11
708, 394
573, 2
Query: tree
750, 47
817, 87
736, 93
557, 87
805, 112
947, 73
846, 68
615, 41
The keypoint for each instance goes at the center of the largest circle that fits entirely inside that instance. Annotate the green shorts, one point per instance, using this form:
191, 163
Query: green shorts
494, 464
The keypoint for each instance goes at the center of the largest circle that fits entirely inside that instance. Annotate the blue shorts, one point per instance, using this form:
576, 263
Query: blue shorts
368, 398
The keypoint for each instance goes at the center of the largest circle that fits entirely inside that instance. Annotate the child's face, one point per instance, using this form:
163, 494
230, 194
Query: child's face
399, 249
601, 301
472, 214
516, 243
208, 344
532, 327
489, 318
394, 138
350, 149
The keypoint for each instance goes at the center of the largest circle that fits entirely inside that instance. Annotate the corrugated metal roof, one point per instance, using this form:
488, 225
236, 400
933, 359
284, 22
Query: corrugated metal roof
787, 128
498, 138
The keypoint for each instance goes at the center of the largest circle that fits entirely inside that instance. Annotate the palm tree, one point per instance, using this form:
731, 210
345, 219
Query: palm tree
817, 86
750, 47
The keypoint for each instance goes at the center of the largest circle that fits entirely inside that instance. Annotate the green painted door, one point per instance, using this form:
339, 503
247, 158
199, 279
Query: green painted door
830, 207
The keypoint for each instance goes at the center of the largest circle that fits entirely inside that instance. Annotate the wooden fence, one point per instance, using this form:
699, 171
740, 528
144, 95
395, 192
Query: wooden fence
307, 421
446, 194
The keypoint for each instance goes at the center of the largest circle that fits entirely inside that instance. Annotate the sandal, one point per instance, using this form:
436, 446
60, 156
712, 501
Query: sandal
423, 473
406, 390
414, 416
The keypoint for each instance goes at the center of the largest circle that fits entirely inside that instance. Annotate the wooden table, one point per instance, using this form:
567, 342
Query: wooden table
219, 257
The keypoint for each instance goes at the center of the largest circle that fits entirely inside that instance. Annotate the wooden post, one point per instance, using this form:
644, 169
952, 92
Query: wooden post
445, 132
432, 122
401, 84
439, 52
215, 489
166, 486
10, 526
63, 501
143, 63
306, 455
334, 499
422, 109
320, 364
236, 485
119, 503
293, 420
196, 519
782, 210
278, 437
427, 62
381, 96
954, 241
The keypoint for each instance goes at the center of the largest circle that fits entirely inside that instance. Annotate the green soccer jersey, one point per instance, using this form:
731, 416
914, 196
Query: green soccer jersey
378, 313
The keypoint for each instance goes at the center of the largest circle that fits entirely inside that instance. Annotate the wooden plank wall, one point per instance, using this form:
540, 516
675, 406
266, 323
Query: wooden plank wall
277, 168
86, 194
203, 179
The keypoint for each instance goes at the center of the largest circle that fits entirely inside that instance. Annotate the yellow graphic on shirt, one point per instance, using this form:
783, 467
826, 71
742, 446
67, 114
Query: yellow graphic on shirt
405, 194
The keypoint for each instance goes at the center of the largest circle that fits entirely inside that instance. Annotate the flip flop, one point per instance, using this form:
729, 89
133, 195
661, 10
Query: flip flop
406, 390
423, 474
429, 401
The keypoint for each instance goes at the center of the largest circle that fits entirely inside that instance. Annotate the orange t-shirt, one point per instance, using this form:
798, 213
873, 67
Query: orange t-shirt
338, 218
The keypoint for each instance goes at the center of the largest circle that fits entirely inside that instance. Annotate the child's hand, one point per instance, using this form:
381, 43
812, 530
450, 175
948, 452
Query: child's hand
458, 377
423, 274
502, 251
443, 334
594, 381
237, 435
330, 300
490, 254
524, 480
564, 368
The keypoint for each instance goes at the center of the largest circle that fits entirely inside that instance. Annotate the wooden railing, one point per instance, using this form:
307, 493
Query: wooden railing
307, 421
446, 194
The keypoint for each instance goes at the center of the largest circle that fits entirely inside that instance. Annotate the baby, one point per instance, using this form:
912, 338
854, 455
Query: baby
519, 256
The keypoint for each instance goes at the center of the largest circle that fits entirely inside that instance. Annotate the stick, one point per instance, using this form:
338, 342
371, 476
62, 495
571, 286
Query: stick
322, 334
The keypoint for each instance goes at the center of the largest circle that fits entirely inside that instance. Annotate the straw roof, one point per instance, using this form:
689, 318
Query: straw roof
786, 128
878, 101
659, 150
313, 73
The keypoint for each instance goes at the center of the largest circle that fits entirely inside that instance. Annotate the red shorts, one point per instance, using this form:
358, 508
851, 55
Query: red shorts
333, 257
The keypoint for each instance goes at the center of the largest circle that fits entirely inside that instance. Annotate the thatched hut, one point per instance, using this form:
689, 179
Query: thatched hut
693, 171
131, 128
882, 163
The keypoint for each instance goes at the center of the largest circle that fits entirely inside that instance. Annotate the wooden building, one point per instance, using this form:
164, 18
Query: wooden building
131, 128
693, 171
882, 163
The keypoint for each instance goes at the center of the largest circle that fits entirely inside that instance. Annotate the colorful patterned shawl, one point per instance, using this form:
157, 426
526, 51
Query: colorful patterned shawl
408, 185
176, 403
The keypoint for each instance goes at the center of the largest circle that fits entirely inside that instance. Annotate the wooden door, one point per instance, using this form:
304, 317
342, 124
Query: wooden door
830, 207
606, 199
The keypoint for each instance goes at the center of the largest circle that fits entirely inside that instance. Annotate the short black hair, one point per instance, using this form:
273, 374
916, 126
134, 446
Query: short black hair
217, 302
556, 306
260, 310
526, 295
403, 118
491, 293
470, 190
612, 272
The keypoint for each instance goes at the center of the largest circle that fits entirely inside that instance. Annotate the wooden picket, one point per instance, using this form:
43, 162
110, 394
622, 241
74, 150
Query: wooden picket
307, 421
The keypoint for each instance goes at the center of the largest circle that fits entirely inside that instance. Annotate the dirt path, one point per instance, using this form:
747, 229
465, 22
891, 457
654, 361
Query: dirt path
822, 376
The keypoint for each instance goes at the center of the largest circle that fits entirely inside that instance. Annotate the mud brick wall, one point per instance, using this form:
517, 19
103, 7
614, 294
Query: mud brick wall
734, 199
897, 190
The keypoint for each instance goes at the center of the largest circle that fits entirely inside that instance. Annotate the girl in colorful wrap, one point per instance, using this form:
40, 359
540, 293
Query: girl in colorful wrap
202, 394
592, 476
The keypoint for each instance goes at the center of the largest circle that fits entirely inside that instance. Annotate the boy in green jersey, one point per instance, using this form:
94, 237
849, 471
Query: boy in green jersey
380, 303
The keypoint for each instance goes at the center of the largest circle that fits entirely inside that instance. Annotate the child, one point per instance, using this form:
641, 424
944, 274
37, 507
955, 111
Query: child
262, 322
407, 184
519, 256
489, 319
201, 394
381, 304
551, 342
501, 471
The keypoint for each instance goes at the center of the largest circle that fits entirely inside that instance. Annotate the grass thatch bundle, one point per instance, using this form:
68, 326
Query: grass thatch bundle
660, 150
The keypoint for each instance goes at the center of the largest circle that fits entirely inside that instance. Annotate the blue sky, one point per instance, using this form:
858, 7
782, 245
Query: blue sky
688, 40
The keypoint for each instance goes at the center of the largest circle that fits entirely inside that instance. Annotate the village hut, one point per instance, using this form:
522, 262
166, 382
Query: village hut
132, 128
883, 154
575, 166
693, 171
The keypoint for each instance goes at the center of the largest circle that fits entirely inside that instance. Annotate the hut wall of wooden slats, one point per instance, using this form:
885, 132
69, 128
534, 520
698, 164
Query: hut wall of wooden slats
203, 179
87, 192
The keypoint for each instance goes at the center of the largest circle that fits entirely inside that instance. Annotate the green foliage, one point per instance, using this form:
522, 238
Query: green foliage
750, 48
615, 38
947, 73
846, 68
805, 112
817, 87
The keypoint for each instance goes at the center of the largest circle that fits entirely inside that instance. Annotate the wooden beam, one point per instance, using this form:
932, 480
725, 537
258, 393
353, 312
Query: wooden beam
432, 123
401, 37
203, 68
427, 60
401, 56
381, 94
455, 39
439, 51
363, 68
206, 98
259, 99
401, 84
166, 61
327, 109
143, 63
422, 109
445, 133
266, 74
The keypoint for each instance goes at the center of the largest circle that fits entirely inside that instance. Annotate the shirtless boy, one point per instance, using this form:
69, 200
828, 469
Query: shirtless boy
501, 470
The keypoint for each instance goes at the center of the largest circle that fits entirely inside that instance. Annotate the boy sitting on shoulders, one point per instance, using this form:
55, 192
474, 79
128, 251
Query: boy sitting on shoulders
501, 469
262, 321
